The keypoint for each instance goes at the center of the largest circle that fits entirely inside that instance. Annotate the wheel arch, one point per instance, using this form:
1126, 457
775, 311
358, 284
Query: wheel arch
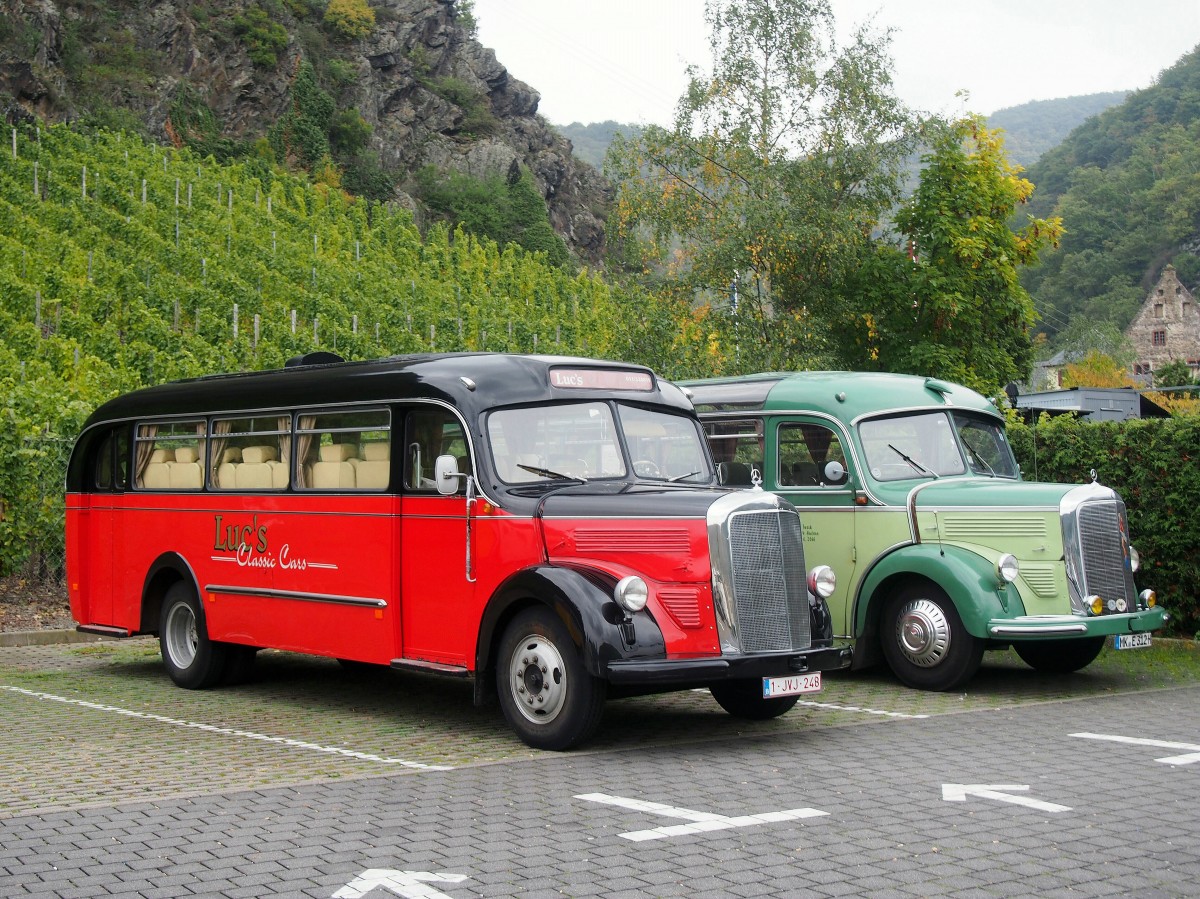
968, 579
167, 570
583, 600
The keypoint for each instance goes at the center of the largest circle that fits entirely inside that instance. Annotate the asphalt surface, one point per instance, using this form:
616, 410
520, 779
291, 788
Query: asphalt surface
313, 782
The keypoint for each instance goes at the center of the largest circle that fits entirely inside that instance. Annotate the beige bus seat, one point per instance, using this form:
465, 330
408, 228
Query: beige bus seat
157, 475
255, 472
335, 471
375, 468
185, 472
231, 456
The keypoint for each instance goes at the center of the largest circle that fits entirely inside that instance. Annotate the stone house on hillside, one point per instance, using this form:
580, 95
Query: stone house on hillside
1166, 328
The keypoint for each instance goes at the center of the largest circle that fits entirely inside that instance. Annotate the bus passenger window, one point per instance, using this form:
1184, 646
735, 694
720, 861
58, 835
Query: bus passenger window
431, 434
344, 450
167, 456
250, 453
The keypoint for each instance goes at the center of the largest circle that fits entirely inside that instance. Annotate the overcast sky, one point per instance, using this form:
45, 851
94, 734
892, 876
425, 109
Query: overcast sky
593, 60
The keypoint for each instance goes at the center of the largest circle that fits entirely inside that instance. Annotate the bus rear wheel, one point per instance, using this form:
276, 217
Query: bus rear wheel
1059, 656
192, 660
547, 695
744, 699
924, 640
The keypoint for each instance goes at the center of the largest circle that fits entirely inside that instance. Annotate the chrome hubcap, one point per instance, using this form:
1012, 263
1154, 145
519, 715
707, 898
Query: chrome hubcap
923, 632
537, 679
182, 638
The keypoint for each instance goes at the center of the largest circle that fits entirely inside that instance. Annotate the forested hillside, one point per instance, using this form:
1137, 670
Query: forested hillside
1126, 184
123, 263
1033, 128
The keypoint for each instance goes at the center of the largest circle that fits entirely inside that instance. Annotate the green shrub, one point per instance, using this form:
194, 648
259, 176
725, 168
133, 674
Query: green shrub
349, 19
1155, 465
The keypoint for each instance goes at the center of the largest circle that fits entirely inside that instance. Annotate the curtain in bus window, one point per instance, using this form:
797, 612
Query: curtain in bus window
216, 450
304, 447
145, 448
284, 423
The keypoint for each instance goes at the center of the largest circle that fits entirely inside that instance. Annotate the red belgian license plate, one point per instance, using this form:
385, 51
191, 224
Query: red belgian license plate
791, 685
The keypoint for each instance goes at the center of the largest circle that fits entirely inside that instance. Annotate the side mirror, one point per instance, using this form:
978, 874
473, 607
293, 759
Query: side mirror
446, 475
835, 472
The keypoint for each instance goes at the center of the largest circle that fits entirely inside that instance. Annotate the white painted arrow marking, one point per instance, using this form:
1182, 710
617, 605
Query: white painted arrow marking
409, 884
960, 792
701, 821
1192, 756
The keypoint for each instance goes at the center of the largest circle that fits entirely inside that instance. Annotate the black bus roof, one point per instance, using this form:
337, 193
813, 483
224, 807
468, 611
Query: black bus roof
471, 382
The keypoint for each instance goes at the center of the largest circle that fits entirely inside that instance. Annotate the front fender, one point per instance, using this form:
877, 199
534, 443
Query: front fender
968, 579
583, 599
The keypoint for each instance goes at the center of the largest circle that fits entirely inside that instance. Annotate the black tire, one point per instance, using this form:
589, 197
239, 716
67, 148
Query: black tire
547, 695
239, 664
1059, 656
744, 699
192, 660
924, 641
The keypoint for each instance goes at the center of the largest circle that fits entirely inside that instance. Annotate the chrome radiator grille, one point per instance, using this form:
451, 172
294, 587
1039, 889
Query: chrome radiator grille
769, 585
1104, 552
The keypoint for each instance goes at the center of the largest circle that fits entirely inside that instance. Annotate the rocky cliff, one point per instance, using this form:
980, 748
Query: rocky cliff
431, 94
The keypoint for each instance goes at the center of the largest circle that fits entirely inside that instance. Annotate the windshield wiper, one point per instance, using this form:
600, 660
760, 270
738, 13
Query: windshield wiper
978, 458
548, 473
913, 462
682, 477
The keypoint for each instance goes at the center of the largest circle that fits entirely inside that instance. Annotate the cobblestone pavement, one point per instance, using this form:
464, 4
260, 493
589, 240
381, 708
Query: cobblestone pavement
314, 782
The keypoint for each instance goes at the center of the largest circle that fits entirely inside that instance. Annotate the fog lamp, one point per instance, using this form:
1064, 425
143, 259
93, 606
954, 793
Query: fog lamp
1149, 598
1094, 603
822, 581
631, 593
1008, 568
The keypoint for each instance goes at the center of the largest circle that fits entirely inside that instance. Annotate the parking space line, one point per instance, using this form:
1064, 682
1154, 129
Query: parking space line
853, 708
226, 731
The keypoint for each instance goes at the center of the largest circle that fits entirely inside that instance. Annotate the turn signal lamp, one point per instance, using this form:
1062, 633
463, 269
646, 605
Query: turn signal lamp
1095, 604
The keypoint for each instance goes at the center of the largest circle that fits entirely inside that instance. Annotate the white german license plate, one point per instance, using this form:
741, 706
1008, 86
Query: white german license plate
1131, 641
791, 686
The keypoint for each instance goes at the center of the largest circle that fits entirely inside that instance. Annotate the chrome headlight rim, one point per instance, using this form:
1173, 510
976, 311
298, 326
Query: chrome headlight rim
631, 593
1008, 569
822, 581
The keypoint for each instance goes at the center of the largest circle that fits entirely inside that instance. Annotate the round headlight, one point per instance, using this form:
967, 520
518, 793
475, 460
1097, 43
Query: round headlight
1008, 568
631, 593
1135, 561
822, 581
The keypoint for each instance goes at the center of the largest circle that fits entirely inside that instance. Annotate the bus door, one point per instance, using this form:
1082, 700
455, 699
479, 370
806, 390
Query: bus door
97, 527
437, 589
813, 473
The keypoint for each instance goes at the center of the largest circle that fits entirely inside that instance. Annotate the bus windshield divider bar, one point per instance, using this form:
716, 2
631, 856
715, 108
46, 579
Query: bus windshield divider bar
303, 597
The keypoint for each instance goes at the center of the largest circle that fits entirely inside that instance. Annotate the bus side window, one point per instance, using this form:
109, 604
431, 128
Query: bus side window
804, 452
429, 434
168, 455
344, 450
103, 474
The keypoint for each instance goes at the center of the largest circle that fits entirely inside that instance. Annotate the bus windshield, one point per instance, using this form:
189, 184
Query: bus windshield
934, 445
582, 441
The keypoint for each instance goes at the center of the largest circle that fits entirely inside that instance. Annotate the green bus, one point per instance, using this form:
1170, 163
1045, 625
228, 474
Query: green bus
908, 488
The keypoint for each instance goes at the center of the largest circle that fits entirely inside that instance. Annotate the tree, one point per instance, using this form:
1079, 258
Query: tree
1096, 369
948, 302
778, 166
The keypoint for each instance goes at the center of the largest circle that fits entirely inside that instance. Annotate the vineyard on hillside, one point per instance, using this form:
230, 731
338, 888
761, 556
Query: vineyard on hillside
124, 263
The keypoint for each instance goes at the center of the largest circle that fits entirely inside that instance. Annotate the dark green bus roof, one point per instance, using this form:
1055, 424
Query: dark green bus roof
846, 395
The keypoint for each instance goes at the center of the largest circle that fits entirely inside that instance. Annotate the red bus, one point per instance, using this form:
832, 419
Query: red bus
550, 527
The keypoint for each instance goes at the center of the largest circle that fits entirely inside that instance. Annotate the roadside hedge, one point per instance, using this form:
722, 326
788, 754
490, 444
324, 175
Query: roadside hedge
1155, 465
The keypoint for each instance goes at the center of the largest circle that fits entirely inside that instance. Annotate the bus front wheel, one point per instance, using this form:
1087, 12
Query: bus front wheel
924, 640
744, 699
192, 660
547, 695
1059, 656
